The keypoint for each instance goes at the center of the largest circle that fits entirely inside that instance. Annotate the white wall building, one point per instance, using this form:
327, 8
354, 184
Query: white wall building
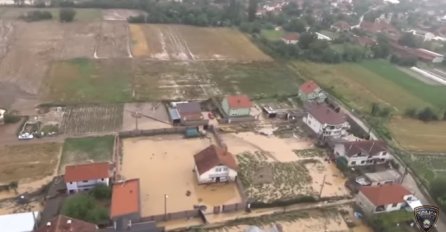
236, 106
383, 198
84, 177
215, 164
19, 222
362, 153
324, 121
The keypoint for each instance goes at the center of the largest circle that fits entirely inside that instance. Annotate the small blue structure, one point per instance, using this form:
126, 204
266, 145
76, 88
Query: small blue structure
192, 132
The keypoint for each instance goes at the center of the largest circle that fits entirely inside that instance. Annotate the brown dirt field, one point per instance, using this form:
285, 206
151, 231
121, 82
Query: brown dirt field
78, 40
119, 14
160, 161
113, 40
28, 162
430, 136
139, 43
180, 42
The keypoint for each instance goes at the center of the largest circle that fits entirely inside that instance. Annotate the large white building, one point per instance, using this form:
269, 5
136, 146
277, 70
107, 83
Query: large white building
362, 153
82, 177
215, 164
19, 222
325, 121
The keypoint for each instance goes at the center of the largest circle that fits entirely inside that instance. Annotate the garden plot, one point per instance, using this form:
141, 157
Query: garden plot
28, 162
164, 165
266, 182
113, 40
86, 150
92, 119
188, 43
145, 116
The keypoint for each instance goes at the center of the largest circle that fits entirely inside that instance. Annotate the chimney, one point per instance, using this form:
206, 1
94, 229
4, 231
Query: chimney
69, 225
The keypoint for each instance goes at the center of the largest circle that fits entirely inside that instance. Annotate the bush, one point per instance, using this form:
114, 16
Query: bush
37, 15
438, 191
427, 115
66, 15
101, 192
84, 207
411, 112
11, 118
137, 19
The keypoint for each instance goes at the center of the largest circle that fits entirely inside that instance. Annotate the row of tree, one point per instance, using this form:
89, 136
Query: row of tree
65, 15
425, 115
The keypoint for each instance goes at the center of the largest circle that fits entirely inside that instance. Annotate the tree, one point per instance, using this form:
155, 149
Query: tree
427, 115
408, 39
66, 14
252, 10
306, 39
84, 207
295, 25
411, 112
101, 192
438, 191
382, 48
342, 163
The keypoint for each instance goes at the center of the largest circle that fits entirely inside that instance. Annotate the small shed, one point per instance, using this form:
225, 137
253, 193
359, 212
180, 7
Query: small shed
269, 111
389, 176
174, 115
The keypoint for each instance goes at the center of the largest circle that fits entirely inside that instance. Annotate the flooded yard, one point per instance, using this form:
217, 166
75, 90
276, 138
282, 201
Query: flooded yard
164, 165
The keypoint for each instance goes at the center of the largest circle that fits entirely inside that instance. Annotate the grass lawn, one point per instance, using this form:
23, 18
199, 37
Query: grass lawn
428, 167
358, 86
82, 15
415, 135
435, 95
84, 80
88, 149
272, 35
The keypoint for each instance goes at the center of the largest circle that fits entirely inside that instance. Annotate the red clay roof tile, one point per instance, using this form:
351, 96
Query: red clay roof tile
213, 156
125, 198
239, 101
91, 171
385, 194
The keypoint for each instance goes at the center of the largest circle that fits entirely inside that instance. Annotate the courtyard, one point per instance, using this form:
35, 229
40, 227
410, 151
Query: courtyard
165, 167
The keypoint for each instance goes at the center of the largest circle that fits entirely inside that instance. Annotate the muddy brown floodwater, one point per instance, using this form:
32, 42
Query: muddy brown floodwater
164, 165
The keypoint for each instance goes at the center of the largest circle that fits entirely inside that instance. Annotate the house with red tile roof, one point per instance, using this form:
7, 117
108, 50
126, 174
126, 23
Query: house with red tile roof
383, 198
340, 26
325, 121
215, 164
310, 91
125, 206
82, 177
237, 105
290, 38
362, 153
63, 223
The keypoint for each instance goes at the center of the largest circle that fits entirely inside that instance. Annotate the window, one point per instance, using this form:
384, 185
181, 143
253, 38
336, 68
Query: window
85, 181
353, 163
225, 169
102, 179
394, 205
71, 182
362, 162
218, 169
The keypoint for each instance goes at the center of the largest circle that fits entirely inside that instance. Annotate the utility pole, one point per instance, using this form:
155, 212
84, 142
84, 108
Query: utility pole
165, 206
322, 187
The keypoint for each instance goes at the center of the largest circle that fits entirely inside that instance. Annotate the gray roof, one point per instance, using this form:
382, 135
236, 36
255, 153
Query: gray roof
189, 108
387, 175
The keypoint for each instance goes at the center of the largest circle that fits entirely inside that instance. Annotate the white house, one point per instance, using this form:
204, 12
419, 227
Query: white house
362, 153
82, 177
325, 121
382, 198
322, 37
236, 105
291, 38
215, 164
19, 222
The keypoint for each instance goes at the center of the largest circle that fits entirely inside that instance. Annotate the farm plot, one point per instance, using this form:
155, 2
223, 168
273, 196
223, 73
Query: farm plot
427, 167
92, 119
78, 40
85, 150
271, 181
82, 80
6, 30
180, 42
119, 14
28, 162
415, 135
113, 40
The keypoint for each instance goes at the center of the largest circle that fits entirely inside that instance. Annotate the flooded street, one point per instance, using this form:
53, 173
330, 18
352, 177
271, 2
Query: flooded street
164, 165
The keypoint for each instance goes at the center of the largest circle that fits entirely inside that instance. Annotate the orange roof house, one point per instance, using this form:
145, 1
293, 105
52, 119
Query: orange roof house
310, 91
382, 198
291, 38
237, 105
215, 164
81, 177
125, 199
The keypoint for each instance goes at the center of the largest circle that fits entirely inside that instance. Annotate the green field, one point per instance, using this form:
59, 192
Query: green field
85, 150
359, 87
427, 167
105, 81
272, 35
81, 14
435, 95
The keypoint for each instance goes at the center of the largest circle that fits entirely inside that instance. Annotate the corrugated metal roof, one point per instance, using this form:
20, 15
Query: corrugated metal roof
173, 113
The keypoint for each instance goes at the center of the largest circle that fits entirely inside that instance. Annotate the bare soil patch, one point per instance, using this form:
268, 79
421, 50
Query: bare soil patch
119, 14
162, 162
28, 162
180, 42
113, 40
144, 116
140, 46
92, 119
